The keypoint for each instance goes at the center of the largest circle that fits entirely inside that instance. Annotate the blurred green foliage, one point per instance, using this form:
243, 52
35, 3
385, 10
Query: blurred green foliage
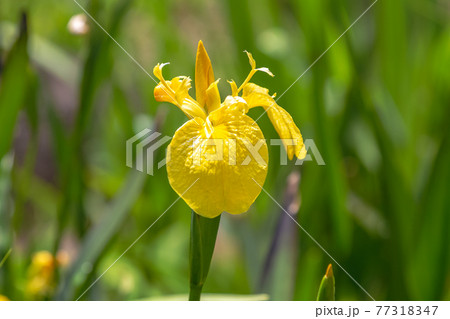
376, 105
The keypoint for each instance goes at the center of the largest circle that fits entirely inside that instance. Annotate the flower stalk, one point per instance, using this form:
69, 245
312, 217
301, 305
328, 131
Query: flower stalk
202, 242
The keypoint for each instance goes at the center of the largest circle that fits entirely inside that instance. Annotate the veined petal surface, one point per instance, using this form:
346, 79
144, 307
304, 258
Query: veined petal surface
218, 161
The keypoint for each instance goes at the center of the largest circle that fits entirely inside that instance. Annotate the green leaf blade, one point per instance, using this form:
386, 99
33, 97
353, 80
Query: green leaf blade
327, 286
13, 86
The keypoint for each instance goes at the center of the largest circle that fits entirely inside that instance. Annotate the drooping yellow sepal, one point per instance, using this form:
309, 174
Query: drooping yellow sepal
212, 173
289, 133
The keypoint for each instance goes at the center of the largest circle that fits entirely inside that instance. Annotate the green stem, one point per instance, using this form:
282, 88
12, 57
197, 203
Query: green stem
203, 239
195, 292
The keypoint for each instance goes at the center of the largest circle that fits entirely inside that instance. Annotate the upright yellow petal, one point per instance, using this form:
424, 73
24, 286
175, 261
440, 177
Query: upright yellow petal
204, 74
234, 88
215, 171
285, 126
251, 60
212, 97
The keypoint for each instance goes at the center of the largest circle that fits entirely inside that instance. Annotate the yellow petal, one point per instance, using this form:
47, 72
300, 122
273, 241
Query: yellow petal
251, 60
282, 121
164, 94
234, 88
210, 173
265, 70
157, 71
191, 108
252, 72
204, 74
176, 91
250, 88
212, 97
235, 102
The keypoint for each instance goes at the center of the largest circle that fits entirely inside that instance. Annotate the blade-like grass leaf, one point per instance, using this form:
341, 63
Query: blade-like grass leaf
327, 286
13, 87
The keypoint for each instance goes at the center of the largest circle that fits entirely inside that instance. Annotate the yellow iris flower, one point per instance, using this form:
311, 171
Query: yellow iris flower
41, 275
216, 160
